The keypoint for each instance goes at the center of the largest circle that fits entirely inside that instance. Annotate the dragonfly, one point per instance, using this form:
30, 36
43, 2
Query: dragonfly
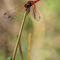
26, 5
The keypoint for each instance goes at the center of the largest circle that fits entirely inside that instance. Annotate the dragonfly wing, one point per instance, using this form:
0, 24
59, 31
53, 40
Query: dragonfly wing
14, 11
35, 13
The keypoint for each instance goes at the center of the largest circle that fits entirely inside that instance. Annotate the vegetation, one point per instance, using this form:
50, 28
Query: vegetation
45, 33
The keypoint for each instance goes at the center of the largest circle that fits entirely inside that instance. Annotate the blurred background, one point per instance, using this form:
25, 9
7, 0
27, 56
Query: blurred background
45, 43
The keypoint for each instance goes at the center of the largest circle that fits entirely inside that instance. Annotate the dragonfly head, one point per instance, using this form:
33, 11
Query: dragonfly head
25, 5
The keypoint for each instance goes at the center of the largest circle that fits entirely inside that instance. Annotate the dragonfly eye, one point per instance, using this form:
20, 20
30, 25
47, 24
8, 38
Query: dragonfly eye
25, 5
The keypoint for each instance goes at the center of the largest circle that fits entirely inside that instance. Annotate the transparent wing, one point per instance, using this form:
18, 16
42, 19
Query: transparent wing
15, 12
35, 13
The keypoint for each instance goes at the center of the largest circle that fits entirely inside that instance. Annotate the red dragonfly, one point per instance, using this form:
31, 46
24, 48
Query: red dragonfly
27, 6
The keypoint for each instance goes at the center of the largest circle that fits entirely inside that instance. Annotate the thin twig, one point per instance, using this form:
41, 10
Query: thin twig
29, 46
19, 36
20, 51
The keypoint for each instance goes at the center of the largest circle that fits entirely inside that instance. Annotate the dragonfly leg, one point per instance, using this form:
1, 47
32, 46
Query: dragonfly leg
28, 10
